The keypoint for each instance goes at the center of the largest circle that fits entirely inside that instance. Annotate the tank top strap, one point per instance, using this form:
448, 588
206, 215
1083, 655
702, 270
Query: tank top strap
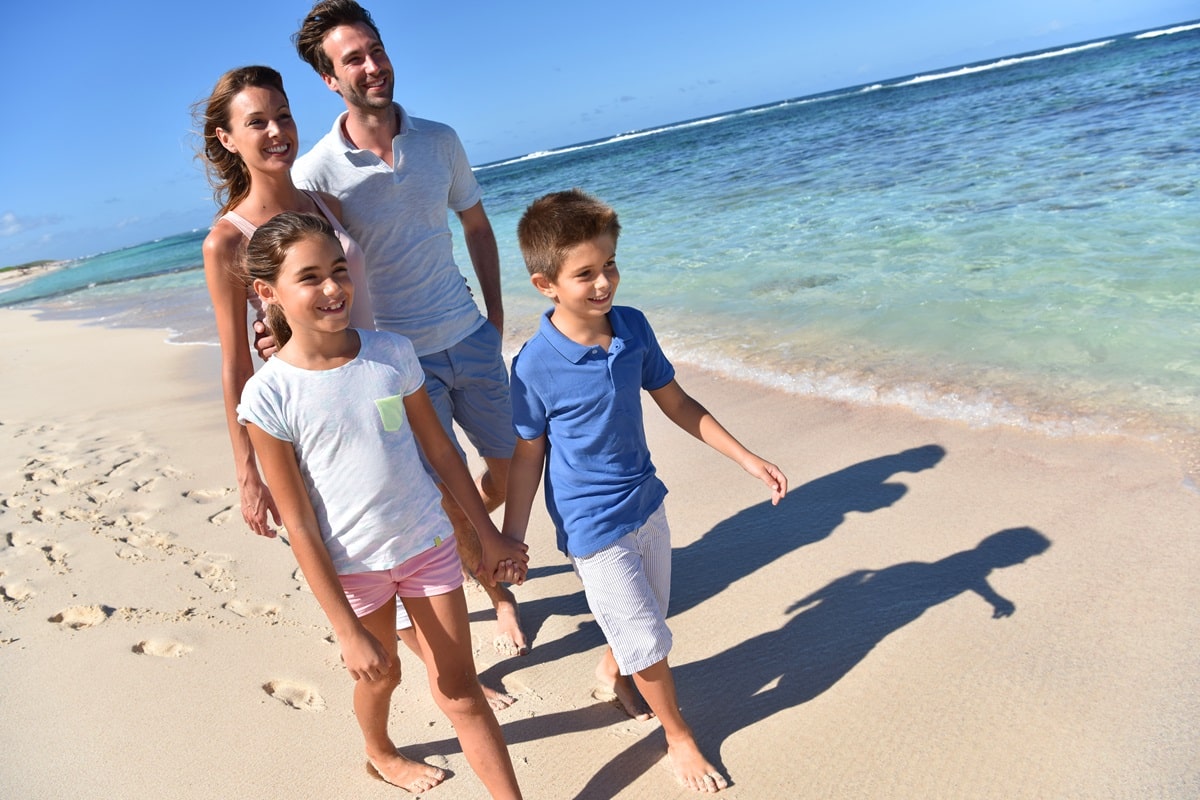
329, 215
241, 223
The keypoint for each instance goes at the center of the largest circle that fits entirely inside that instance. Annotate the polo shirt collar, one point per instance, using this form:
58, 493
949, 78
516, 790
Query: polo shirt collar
574, 351
406, 125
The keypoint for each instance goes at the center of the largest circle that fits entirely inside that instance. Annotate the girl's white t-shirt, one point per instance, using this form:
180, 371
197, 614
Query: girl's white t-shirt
375, 503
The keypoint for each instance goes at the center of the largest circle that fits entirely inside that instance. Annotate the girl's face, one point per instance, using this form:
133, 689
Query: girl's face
313, 287
261, 129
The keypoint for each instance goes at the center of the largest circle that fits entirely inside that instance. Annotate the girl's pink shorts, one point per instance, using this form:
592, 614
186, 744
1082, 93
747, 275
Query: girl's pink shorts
436, 571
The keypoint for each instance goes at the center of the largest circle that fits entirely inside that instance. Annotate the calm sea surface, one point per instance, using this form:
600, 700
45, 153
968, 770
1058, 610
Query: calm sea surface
1011, 242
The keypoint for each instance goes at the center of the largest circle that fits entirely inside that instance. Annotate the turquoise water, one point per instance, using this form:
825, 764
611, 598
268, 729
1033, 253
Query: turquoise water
1013, 242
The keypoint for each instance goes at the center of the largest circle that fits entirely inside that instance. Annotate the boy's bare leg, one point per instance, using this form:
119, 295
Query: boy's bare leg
692, 769
620, 687
497, 700
372, 705
492, 483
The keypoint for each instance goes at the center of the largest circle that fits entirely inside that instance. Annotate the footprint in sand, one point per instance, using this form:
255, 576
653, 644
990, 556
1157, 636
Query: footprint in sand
149, 540
223, 516
77, 514
207, 495
295, 695
55, 554
124, 465
215, 577
56, 557
248, 610
15, 593
133, 519
100, 493
130, 554
298, 576
163, 648
79, 617
144, 486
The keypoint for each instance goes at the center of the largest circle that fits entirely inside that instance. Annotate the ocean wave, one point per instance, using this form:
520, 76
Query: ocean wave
1002, 63
620, 137
1191, 26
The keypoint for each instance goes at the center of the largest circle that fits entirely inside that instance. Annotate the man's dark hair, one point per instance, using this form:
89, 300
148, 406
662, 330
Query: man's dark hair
324, 17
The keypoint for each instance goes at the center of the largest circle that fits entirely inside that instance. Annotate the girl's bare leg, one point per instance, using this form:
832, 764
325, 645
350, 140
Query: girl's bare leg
496, 699
373, 705
445, 638
691, 767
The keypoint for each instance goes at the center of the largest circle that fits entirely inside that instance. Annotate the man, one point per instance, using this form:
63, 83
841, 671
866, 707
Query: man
395, 176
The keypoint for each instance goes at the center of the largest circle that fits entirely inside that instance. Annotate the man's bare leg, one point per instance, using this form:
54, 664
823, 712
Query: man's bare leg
510, 639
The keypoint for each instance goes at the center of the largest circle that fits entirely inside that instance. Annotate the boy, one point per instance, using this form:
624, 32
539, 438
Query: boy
576, 389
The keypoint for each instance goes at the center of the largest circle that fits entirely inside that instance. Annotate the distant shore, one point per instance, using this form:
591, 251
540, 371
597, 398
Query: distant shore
20, 273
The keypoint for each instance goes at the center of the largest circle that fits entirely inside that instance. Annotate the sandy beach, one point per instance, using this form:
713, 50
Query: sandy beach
933, 612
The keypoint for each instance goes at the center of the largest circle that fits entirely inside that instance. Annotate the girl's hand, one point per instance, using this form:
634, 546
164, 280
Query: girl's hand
769, 474
365, 658
257, 503
503, 559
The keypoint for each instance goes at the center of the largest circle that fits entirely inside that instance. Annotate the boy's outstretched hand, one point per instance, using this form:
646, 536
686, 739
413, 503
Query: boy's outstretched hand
769, 474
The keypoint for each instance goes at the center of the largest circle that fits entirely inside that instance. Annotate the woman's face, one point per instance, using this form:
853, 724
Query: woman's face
261, 129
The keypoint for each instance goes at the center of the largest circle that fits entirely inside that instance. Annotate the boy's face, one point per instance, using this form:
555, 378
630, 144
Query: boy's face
587, 280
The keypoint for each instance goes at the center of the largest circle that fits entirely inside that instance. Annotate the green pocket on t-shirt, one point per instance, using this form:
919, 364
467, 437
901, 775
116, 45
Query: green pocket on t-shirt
391, 411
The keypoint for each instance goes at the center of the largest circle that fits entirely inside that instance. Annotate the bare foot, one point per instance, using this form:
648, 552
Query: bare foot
510, 639
412, 776
692, 769
497, 700
621, 692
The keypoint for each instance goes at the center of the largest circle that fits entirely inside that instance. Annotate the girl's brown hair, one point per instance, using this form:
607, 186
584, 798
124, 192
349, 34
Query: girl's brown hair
268, 248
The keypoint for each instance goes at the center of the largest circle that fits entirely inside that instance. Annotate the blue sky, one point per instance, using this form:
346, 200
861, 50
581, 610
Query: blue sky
96, 150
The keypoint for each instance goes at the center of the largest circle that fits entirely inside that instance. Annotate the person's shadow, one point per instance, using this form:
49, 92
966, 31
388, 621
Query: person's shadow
740, 545
833, 629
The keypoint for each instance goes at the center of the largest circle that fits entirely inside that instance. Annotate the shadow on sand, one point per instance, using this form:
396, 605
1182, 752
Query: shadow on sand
832, 630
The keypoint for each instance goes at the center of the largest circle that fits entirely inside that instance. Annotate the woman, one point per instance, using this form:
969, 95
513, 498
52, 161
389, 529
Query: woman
250, 143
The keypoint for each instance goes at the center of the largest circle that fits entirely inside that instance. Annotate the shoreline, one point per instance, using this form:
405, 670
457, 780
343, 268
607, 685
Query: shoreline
976, 401
858, 640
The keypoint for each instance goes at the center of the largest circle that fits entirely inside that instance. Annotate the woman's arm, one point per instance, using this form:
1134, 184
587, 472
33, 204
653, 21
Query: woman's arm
694, 418
457, 479
363, 654
228, 294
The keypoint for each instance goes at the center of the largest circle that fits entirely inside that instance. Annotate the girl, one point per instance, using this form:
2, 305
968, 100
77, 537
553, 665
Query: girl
335, 417
250, 143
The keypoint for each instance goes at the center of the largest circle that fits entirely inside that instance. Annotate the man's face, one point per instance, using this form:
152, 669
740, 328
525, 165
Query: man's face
362, 73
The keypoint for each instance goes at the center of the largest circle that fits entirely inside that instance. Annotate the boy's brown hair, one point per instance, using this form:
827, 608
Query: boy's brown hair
557, 222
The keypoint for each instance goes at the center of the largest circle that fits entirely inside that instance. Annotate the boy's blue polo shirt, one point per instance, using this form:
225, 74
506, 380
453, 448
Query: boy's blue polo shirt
599, 484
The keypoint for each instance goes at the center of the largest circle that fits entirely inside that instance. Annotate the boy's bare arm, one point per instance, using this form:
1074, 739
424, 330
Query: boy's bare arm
682, 409
524, 475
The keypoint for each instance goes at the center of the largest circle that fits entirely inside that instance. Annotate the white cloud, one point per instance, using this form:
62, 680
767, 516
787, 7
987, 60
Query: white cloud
9, 224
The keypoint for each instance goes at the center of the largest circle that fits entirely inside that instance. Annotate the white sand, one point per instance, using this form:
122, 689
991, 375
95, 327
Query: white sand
841, 645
